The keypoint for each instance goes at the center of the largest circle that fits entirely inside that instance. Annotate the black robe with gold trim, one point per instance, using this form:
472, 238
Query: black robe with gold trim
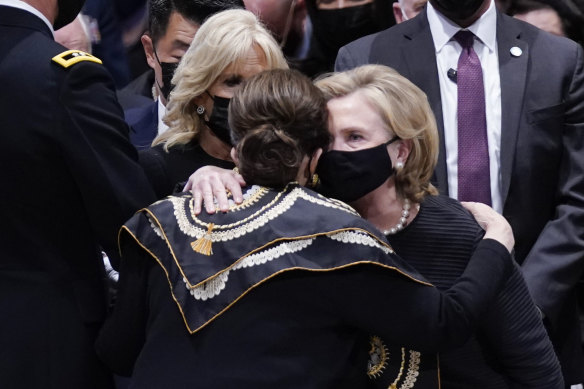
281, 291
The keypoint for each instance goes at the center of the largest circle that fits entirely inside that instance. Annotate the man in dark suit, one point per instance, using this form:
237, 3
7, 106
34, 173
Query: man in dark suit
70, 179
534, 90
172, 25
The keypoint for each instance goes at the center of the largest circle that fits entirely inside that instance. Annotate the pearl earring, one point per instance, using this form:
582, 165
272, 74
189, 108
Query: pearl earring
399, 165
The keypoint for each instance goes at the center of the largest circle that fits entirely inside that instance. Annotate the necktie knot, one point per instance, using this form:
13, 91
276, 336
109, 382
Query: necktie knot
465, 38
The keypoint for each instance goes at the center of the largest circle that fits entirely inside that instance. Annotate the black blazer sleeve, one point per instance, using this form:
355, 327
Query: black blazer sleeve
96, 149
402, 311
155, 166
555, 263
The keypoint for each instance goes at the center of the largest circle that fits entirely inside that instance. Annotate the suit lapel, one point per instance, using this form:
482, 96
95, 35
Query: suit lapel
416, 60
513, 75
419, 55
143, 123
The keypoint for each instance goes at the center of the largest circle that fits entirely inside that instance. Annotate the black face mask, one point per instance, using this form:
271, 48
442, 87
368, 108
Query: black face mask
457, 10
334, 28
167, 69
218, 122
350, 175
67, 12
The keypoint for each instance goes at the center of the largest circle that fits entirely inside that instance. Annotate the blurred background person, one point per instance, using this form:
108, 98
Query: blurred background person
132, 16
227, 50
75, 35
96, 31
289, 23
338, 22
105, 33
407, 9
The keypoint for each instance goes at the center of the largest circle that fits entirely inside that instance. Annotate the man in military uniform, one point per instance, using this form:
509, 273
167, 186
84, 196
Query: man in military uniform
69, 179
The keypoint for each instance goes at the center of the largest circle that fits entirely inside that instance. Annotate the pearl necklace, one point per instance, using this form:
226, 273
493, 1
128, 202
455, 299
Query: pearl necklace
402, 220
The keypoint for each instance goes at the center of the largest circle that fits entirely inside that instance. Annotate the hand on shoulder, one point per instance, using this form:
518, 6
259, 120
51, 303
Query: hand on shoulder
210, 183
495, 225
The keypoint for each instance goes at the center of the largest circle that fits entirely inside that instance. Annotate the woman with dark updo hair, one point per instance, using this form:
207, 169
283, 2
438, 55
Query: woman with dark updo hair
283, 289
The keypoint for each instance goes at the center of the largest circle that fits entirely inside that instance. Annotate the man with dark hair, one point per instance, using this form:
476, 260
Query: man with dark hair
70, 178
171, 28
509, 104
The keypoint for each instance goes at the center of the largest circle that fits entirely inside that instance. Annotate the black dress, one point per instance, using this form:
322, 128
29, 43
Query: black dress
282, 291
167, 169
511, 347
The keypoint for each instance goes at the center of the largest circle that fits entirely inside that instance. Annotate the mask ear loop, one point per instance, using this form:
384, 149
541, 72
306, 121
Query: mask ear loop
211, 96
403, 12
159, 64
394, 139
288, 25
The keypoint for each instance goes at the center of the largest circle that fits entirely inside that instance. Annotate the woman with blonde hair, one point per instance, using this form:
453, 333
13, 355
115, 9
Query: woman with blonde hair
382, 156
230, 47
383, 151
282, 290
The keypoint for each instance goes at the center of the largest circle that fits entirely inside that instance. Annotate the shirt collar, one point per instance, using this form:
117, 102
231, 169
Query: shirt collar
485, 28
161, 113
26, 7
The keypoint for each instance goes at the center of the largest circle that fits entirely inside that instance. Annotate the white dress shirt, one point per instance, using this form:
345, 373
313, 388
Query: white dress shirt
447, 53
161, 112
24, 6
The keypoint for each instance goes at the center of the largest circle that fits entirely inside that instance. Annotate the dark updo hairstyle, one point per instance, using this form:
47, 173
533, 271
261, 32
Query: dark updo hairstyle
277, 118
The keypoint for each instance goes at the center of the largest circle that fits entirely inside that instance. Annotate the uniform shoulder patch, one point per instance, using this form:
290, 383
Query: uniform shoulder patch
71, 57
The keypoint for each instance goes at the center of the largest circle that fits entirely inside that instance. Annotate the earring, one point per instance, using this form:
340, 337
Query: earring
399, 165
314, 181
200, 110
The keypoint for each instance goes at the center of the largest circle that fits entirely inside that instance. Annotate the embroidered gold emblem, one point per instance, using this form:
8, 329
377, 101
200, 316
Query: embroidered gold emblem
379, 360
71, 57
226, 232
378, 357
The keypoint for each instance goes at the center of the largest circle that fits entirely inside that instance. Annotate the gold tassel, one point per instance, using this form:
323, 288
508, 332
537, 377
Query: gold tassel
204, 243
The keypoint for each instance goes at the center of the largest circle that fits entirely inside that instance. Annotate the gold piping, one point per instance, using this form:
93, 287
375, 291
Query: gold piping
191, 331
163, 269
191, 286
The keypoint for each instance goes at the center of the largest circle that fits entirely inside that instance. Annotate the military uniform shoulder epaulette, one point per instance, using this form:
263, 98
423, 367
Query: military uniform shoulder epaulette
71, 57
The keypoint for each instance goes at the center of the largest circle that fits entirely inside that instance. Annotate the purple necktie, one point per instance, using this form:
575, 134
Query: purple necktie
474, 182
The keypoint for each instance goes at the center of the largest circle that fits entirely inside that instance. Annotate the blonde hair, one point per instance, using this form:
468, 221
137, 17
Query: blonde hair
222, 40
405, 111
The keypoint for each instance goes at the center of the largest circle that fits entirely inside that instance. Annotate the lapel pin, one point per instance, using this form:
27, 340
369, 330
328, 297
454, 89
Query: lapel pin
516, 51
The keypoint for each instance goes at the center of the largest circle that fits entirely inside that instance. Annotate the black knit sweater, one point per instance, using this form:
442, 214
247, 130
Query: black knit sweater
511, 347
